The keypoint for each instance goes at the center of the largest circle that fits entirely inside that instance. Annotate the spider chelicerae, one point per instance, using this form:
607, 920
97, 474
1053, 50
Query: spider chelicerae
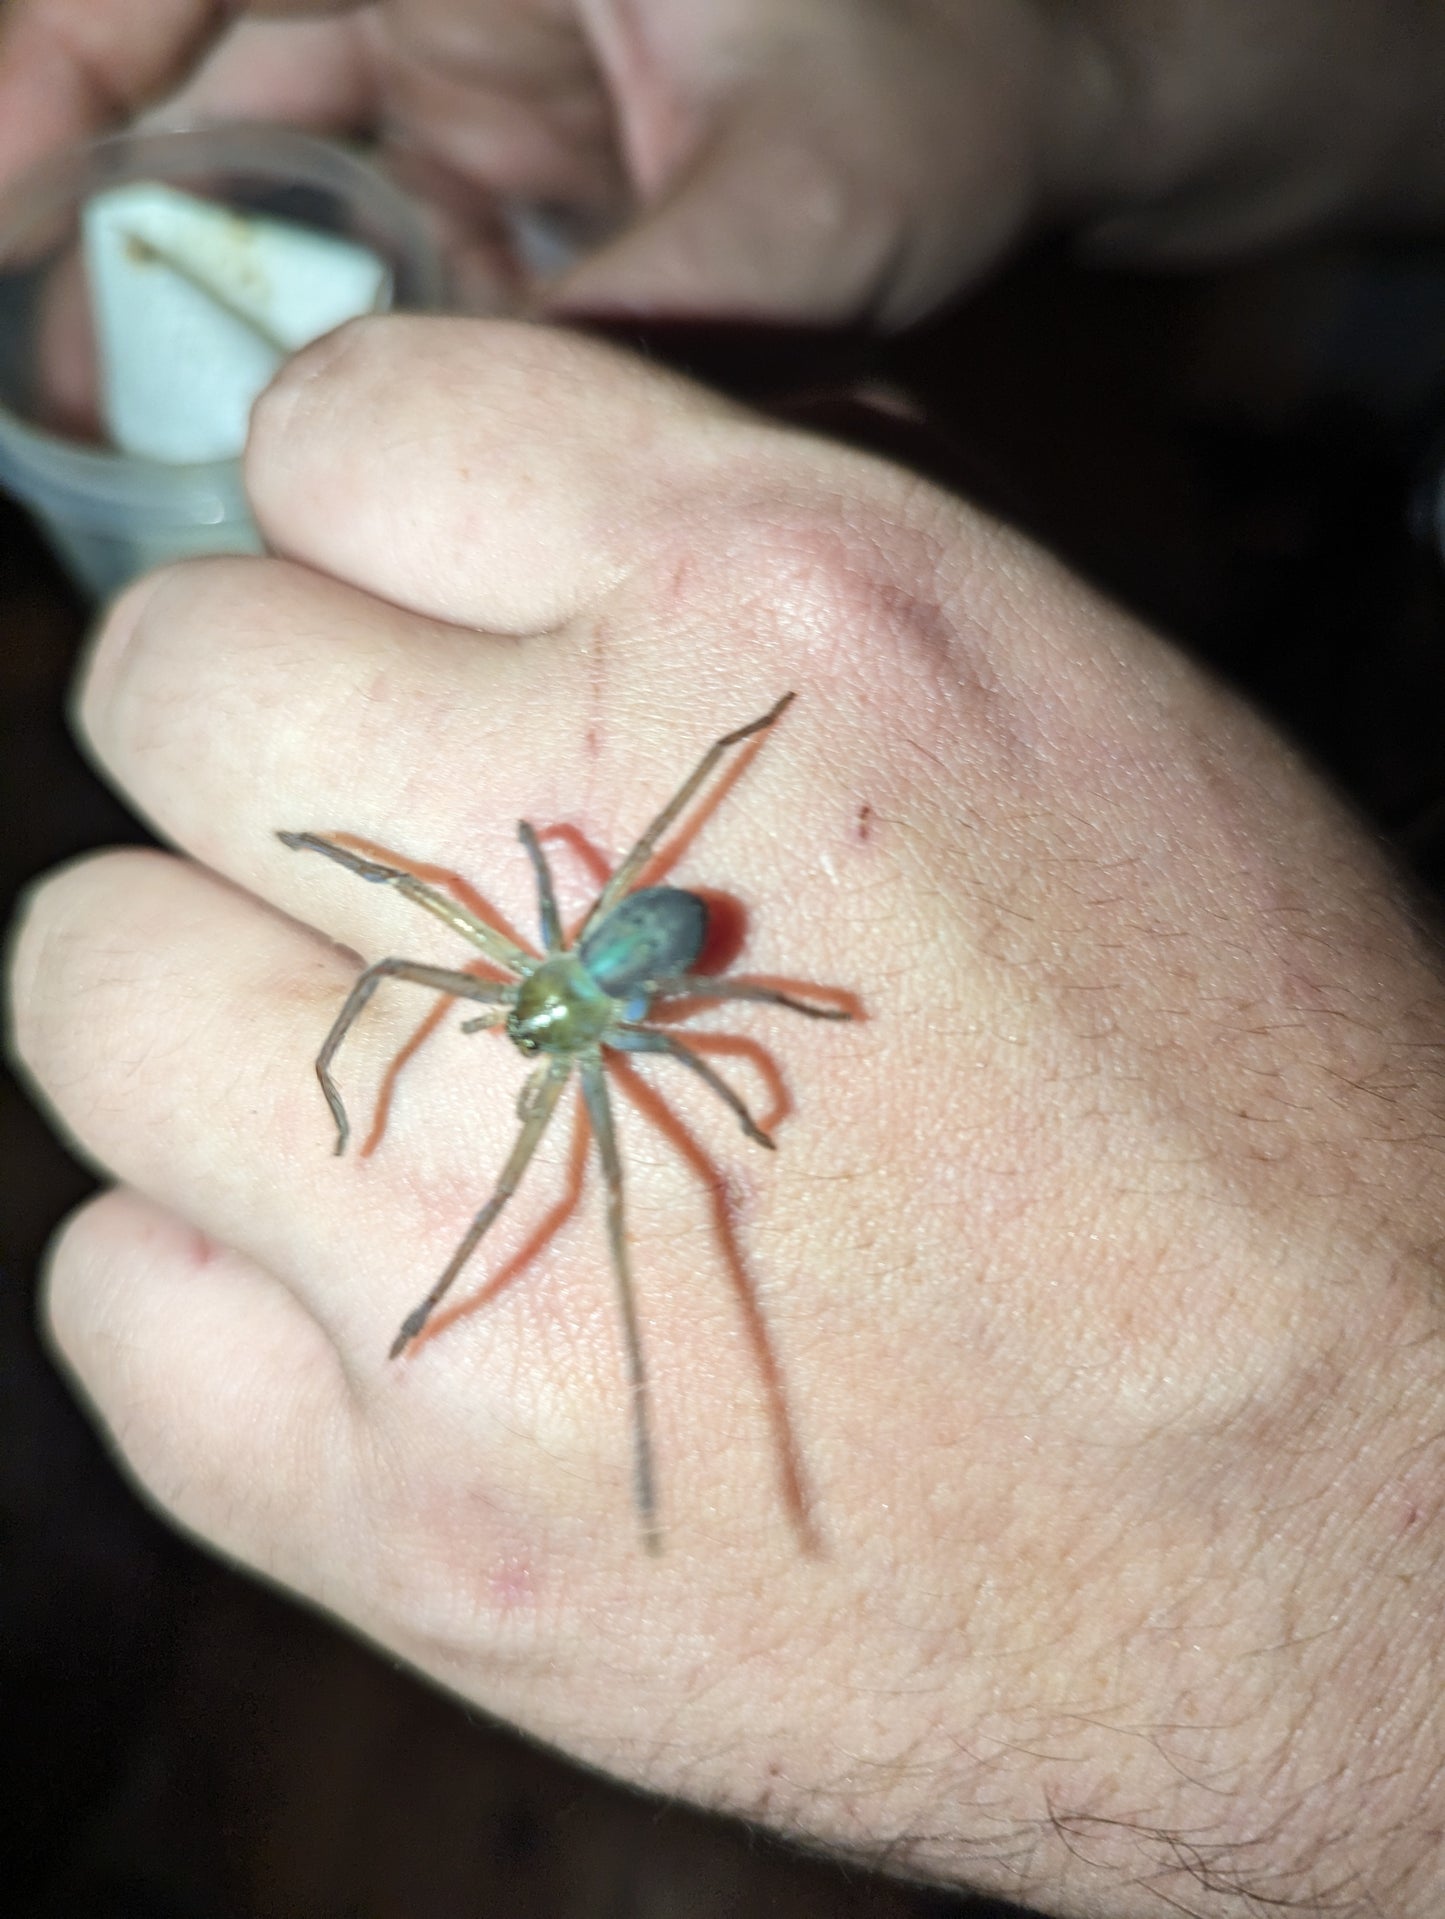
570, 1006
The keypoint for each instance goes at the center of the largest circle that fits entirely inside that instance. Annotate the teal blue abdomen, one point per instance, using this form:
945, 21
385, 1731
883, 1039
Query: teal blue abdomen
651, 935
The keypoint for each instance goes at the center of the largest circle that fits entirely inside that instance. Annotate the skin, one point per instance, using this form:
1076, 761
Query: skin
814, 160
1100, 1264
1100, 1261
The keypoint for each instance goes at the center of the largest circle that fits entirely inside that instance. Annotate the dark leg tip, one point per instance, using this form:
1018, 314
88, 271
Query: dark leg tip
410, 1327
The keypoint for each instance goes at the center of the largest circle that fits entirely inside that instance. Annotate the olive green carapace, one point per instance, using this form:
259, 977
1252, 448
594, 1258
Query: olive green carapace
570, 1007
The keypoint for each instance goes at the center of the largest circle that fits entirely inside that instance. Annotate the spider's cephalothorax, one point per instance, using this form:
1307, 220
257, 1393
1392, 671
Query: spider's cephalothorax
570, 1001
560, 1008
571, 1005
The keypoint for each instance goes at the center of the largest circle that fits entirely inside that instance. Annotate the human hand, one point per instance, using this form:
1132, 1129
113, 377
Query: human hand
1096, 1559
814, 160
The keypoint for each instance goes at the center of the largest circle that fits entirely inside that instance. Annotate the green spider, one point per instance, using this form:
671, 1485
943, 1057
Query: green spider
571, 1006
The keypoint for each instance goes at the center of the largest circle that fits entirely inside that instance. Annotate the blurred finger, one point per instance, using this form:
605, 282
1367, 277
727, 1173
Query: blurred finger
312, 73
71, 68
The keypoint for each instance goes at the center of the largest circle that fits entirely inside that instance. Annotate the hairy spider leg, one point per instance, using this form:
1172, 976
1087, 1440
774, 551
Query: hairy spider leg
642, 852
546, 897
704, 986
644, 1039
599, 1112
497, 947
539, 1111
442, 978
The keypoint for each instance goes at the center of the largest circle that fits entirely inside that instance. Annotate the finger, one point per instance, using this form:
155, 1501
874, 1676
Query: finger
70, 68
222, 1394
170, 1021
165, 1019
496, 474
506, 94
312, 73
235, 699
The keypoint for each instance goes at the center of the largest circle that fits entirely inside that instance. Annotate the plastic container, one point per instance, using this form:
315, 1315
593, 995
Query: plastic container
108, 514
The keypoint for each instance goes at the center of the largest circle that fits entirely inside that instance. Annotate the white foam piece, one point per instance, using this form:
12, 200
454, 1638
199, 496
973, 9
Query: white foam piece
196, 305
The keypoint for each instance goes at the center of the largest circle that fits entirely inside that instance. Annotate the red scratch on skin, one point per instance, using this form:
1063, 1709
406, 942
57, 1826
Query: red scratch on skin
797, 1496
596, 689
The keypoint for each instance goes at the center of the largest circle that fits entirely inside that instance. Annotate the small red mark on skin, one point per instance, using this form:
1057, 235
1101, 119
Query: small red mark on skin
865, 822
203, 1251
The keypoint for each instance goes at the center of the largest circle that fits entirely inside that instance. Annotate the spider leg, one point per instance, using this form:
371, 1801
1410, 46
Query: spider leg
637, 1039
441, 978
599, 1112
539, 1111
546, 898
702, 986
642, 852
483, 1022
495, 945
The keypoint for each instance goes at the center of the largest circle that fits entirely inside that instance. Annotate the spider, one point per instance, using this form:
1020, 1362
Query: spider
635, 947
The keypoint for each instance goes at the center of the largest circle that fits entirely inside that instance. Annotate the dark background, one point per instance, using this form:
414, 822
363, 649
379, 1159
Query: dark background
1248, 459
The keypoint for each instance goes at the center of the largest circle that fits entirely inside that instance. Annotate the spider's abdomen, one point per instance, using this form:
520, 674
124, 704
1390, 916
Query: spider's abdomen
560, 1008
651, 935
